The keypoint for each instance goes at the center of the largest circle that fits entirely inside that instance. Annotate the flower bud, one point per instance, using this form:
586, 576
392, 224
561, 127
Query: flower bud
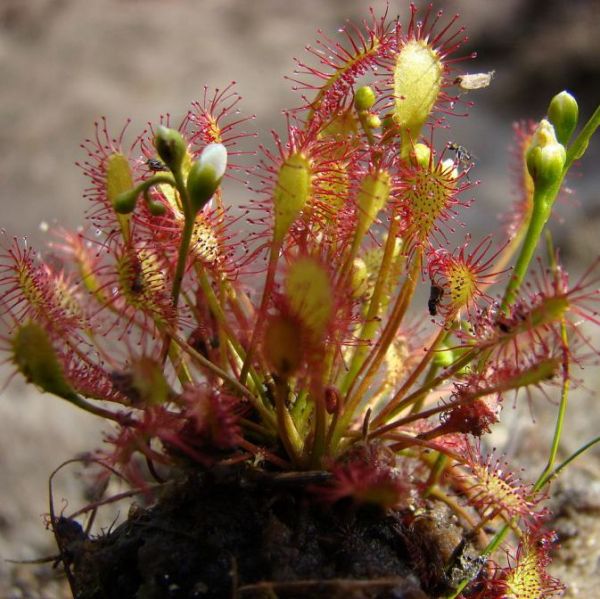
124, 203
364, 98
206, 174
170, 146
421, 155
156, 208
373, 121
563, 113
546, 156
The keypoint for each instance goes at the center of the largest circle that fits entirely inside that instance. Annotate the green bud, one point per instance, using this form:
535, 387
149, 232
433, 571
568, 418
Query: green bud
171, 147
37, 361
546, 156
373, 121
156, 208
563, 113
421, 155
364, 98
124, 203
206, 174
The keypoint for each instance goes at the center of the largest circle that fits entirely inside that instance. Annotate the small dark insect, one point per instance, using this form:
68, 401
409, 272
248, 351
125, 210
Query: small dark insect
503, 325
202, 342
506, 324
332, 399
136, 283
463, 156
156, 165
435, 297
124, 384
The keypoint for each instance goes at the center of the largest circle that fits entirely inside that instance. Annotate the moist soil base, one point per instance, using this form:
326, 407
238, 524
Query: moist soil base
243, 535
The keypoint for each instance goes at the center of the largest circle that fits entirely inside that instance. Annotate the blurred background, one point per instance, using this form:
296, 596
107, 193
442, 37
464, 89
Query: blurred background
65, 63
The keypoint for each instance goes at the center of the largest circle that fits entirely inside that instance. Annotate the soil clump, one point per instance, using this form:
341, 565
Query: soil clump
243, 535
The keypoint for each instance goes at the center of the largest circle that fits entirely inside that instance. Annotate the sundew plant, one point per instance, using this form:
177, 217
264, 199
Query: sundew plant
333, 324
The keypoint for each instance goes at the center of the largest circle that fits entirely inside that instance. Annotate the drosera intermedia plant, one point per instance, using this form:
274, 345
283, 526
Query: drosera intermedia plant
292, 338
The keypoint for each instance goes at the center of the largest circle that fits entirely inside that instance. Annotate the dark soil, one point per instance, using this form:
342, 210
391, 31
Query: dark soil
236, 535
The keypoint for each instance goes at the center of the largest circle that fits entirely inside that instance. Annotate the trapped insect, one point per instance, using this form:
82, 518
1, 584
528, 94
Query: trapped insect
463, 156
155, 165
471, 81
436, 294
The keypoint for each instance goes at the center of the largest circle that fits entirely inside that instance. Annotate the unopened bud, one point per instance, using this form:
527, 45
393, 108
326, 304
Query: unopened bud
170, 146
546, 156
124, 203
156, 208
373, 121
364, 98
563, 113
421, 155
206, 174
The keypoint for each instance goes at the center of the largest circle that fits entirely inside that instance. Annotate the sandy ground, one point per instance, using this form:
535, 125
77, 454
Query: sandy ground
64, 63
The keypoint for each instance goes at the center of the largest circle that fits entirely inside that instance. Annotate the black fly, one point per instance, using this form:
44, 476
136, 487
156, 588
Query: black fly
136, 281
156, 165
463, 157
435, 297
